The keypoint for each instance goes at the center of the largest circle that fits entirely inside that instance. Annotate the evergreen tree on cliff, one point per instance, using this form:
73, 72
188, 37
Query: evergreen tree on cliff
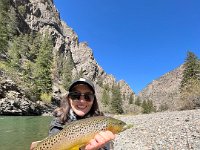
4, 8
192, 69
116, 103
43, 67
8, 24
105, 97
131, 99
190, 85
66, 71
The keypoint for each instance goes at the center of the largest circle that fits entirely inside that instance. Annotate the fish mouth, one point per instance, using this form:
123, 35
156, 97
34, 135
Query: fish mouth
127, 126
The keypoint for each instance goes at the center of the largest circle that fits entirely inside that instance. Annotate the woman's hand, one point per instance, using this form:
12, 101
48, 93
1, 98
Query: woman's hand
100, 140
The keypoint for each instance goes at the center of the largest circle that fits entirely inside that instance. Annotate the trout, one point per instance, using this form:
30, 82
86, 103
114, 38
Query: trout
78, 133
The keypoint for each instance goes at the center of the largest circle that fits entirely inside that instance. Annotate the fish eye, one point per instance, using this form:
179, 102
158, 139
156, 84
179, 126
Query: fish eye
121, 123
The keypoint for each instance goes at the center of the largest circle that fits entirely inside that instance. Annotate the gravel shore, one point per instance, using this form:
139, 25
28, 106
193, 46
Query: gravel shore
178, 130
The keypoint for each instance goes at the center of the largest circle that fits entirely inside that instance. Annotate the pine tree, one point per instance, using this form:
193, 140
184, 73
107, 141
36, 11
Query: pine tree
116, 103
190, 84
138, 101
66, 71
147, 106
144, 106
22, 49
4, 32
43, 66
30, 45
12, 23
150, 106
8, 24
191, 69
14, 52
105, 97
30, 59
131, 99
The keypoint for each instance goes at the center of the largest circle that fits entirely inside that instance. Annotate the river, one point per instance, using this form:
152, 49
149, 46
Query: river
17, 132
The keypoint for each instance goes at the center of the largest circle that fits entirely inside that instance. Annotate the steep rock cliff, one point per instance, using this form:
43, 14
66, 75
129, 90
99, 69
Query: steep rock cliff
42, 16
164, 92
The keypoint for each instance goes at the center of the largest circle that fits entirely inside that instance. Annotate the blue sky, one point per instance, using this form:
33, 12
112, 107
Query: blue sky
136, 40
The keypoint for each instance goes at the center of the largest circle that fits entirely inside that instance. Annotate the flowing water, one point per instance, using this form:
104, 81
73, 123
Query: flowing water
17, 133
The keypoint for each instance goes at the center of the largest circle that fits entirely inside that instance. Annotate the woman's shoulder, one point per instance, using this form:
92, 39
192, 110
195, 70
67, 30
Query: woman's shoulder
55, 126
56, 123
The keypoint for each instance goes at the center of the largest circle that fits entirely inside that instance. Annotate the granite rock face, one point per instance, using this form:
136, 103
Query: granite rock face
41, 16
164, 91
14, 102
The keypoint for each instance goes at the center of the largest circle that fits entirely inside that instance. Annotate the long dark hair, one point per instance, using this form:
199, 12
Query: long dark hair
63, 111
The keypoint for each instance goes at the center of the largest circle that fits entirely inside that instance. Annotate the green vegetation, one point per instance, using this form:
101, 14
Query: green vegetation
105, 97
7, 24
66, 72
30, 60
43, 65
138, 101
190, 85
116, 102
45, 97
28, 56
148, 106
22, 9
191, 69
131, 99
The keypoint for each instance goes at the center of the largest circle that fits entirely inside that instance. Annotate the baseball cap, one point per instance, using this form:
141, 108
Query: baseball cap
82, 81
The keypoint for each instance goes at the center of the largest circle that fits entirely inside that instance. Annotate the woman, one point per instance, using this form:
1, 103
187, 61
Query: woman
80, 103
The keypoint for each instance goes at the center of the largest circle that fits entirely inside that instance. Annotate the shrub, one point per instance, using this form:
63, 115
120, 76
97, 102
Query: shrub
46, 97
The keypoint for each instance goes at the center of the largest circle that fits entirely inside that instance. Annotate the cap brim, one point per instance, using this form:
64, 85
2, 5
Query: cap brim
81, 82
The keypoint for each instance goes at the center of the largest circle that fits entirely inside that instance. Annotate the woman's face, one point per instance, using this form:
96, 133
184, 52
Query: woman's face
81, 106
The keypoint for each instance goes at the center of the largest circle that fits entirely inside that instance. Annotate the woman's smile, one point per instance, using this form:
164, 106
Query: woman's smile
81, 106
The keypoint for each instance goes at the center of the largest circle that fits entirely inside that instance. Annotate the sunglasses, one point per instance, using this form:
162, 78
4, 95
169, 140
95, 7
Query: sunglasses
76, 96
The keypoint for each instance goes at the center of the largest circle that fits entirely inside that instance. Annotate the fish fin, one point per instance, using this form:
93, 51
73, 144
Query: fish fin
75, 148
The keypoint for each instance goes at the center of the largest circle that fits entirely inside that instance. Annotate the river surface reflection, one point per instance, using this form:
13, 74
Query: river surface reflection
17, 132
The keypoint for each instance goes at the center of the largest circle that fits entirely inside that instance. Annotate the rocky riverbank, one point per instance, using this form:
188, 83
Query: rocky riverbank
13, 101
178, 130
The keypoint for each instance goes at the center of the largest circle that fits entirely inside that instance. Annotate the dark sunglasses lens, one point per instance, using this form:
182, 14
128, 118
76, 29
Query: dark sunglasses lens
74, 96
89, 97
